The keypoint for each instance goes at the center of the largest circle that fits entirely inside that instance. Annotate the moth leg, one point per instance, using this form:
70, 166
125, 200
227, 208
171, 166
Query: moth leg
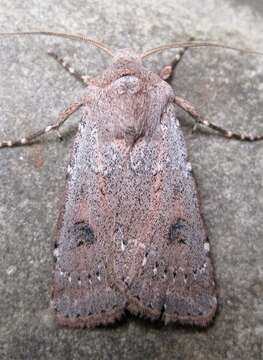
189, 108
166, 72
82, 78
63, 116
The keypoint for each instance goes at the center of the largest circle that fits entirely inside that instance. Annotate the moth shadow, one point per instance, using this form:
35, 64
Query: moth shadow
157, 325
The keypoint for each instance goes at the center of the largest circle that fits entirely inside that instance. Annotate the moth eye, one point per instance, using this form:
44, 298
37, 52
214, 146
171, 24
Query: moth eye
84, 234
178, 231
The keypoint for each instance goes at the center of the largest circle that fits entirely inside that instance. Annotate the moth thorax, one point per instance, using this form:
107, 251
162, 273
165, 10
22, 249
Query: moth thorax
127, 84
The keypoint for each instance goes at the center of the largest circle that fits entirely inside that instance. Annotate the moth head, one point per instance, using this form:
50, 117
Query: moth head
125, 56
127, 72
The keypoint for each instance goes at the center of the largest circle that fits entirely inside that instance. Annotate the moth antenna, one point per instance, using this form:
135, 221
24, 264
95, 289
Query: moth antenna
63, 35
195, 44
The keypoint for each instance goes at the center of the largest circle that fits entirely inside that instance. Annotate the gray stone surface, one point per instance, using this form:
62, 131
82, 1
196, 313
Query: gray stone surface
225, 87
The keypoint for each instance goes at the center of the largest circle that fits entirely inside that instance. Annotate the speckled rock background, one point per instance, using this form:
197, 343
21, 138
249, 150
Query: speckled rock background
225, 87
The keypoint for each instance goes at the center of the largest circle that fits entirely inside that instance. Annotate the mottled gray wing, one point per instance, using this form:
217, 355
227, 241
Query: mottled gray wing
161, 257
81, 294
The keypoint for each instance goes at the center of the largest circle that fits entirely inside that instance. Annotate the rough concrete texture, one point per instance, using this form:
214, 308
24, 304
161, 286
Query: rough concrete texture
225, 87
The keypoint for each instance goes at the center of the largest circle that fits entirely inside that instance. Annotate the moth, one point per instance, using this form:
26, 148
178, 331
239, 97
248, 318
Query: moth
130, 236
